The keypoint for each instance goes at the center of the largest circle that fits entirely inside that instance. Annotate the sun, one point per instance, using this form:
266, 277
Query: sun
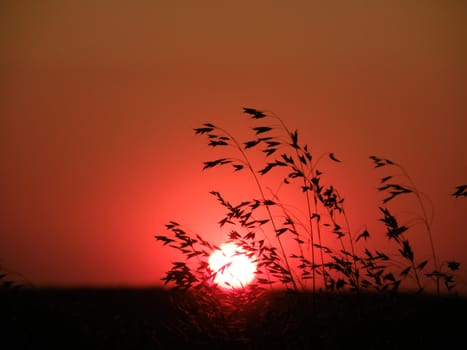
234, 269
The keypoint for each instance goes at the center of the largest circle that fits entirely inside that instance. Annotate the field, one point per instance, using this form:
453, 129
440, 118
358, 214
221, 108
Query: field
151, 319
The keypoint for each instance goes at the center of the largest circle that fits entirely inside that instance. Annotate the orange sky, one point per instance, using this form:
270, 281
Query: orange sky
98, 100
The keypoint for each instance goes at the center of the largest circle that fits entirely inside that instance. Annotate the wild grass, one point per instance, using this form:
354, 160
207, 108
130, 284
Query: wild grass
315, 252
12, 280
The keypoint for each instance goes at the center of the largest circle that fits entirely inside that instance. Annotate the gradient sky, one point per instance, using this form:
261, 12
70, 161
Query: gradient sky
98, 101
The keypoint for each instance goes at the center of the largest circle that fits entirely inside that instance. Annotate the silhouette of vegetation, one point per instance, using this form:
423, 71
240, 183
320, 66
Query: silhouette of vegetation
461, 191
8, 280
262, 225
313, 253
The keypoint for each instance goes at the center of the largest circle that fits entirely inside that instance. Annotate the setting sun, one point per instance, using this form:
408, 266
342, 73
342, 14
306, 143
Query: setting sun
233, 267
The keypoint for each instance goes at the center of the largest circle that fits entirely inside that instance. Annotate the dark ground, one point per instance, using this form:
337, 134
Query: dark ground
147, 319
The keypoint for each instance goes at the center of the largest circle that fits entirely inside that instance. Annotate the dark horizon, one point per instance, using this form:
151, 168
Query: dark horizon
99, 101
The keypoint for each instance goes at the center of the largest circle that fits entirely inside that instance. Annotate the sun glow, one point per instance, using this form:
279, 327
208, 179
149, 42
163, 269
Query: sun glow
234, 269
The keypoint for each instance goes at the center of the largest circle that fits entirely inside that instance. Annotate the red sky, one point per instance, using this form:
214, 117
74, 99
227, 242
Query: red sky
98, 101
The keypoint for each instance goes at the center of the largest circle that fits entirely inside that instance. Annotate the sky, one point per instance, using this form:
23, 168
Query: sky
98, 101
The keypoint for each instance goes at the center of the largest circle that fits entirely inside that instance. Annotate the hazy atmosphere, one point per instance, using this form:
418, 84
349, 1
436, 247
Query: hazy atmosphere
98, 101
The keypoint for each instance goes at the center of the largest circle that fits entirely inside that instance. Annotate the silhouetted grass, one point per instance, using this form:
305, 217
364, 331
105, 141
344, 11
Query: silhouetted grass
335, 282
327, 254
